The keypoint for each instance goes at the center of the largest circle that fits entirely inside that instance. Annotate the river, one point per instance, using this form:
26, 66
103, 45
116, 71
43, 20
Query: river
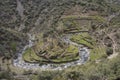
83, 53
19, 62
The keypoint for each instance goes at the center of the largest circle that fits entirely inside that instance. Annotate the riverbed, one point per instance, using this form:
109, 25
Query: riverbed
83, 54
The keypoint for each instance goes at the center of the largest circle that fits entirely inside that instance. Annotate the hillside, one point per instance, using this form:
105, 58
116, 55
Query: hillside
56, 36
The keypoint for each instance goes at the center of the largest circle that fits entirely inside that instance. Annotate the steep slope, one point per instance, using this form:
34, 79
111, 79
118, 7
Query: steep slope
93, 23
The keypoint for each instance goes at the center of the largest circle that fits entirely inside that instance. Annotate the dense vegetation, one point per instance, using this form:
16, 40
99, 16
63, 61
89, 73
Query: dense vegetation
92, 23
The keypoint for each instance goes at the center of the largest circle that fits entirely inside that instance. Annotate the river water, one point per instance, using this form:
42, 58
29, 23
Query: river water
19, 62
83, 53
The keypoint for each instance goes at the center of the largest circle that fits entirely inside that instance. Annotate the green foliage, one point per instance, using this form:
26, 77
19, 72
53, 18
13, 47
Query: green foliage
98, 52
47, 13
13, 46
30, 56
84, 39
47, 75
28, 72
91, 71
56, 55
74, 75
109, 51
6, 75
98, 18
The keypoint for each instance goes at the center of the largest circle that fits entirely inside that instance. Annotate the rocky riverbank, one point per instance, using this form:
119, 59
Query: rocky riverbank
83, 54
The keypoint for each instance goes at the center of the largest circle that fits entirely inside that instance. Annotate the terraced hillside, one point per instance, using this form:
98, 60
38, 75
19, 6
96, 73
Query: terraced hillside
54, 32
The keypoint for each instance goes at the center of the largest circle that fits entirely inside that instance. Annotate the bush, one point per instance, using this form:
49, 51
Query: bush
27, 72
109, 51
74, 75
46, 75
5, 75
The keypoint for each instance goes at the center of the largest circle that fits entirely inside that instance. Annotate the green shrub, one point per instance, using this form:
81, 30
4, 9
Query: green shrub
109, 51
